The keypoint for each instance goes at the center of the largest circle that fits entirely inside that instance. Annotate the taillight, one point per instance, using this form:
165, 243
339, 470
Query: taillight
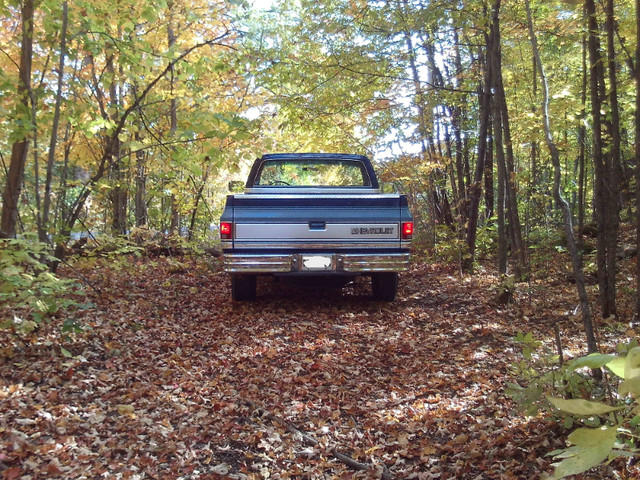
407, 230
226, 230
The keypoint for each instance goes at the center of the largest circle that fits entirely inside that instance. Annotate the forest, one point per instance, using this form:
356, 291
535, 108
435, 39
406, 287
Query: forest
512, 126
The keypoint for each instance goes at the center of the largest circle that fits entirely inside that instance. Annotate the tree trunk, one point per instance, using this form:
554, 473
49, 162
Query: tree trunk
582, 144
142, 217
117, 170
566, 211
503, 247
614, 170
119, 196
475, 188
515, 229
54, 127
456, 121
637, 151
602, 163
199, 190
15, 175
173, 120
489, 200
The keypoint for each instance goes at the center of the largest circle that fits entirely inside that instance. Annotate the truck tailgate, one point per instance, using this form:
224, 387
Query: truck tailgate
310, 221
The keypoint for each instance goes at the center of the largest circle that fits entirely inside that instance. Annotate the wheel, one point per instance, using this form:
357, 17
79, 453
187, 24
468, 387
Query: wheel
384, 286
243, 287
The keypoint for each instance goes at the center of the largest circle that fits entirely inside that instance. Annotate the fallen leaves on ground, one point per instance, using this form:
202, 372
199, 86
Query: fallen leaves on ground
174, 380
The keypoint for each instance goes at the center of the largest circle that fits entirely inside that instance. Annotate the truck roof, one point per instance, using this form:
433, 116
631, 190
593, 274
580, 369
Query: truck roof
314, 156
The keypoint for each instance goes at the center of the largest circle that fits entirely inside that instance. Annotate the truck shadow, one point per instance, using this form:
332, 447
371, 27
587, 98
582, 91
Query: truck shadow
316, 290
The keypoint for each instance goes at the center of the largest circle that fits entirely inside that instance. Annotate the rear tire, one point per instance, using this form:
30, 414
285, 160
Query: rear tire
243, 287
384, 286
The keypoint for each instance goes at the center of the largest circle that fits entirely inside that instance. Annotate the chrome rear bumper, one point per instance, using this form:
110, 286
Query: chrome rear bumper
337, 262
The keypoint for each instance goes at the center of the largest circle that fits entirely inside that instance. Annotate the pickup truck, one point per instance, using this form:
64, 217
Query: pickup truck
315, 214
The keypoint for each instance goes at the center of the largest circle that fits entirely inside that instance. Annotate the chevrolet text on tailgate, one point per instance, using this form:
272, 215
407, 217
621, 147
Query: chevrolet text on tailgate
315, 214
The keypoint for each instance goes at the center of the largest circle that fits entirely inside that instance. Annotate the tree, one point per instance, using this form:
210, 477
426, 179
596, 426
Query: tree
576, 261
51, 158
606, 185
15, 174
636, 74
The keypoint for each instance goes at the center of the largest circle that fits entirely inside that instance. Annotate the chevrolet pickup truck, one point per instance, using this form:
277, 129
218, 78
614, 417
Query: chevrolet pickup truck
315, 214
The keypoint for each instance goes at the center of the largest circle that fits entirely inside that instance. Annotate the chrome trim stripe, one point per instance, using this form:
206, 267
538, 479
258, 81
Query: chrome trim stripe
351, 263
314, 246
258, 263
304, 231
300, 191
375, 263
339, 193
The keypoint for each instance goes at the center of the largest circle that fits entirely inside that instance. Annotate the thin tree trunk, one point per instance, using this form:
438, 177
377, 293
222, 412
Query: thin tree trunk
173, 120
475, 188
503, 251
601, 158
456, 121
576, 261
117, 173
489, 196
614, 172
15, 175
419, 96
54, 127
533, 182
200, 189
582, 141
637, 151
515, 228
141, 188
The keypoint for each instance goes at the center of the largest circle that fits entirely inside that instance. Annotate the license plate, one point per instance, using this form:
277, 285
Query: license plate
316, 262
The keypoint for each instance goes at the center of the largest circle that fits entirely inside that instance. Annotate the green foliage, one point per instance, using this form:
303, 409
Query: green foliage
591, 447
115, 248
31, 292
605, 410
449, 246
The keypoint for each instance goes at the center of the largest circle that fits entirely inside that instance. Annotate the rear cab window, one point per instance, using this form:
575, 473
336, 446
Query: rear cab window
312, 173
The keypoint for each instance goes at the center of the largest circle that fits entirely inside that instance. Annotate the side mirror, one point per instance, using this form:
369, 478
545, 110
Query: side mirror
236, 186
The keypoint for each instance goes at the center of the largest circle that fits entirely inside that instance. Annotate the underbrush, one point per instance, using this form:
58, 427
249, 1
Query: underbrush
595, 397
29, 292
32, 293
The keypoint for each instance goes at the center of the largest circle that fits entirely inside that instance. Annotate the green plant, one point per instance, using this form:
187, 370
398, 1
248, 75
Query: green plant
27, 287
605, 410
486, 239
115, 248
449, 246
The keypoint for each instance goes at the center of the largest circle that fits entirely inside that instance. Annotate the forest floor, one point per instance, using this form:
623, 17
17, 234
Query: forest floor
171, 379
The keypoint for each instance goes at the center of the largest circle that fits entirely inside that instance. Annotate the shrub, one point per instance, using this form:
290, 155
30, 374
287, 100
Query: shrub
605, 410
28, 289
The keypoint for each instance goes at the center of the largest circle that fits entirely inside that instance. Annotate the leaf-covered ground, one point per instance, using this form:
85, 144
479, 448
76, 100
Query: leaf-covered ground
173, 380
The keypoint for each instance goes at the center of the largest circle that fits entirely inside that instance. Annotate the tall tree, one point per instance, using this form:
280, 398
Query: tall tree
51, 157
475, 188
15, 174
605, 188
503, 123
614, 168
636, 72
576, 261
